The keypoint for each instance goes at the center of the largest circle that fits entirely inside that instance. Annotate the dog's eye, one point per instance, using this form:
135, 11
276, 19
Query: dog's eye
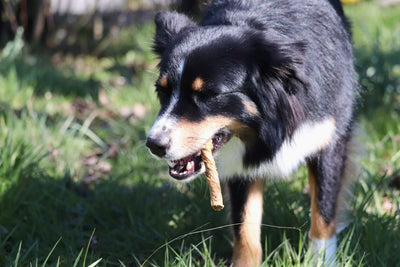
161, 89
206, 93
163, 93
204, 96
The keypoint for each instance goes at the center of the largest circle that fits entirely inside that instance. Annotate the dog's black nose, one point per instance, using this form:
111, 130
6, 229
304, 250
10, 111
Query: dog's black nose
158, 145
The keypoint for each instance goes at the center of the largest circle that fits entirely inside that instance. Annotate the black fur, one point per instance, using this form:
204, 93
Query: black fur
277, 53
238, 191
291, 59
329, 166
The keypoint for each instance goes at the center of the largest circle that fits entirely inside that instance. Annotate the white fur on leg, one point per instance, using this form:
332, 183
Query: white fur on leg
324, 251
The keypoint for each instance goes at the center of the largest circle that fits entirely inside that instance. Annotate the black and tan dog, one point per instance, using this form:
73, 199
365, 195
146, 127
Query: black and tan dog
272, 83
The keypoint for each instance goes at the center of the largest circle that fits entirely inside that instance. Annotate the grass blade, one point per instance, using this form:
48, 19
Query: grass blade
18, 253
95, 263
87, 248
51, 252
78, 258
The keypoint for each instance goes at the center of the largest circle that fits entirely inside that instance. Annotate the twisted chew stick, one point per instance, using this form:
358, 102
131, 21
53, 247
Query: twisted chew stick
212, 177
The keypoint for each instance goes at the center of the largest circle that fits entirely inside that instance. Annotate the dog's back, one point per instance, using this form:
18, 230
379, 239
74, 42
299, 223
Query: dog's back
325, 47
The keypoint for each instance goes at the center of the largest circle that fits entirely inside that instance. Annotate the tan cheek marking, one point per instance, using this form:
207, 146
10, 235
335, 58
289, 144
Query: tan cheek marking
163, 82
189, 136
247, 248
198, 84
245, 133
203, 128
319, 228
251, 107
192, 135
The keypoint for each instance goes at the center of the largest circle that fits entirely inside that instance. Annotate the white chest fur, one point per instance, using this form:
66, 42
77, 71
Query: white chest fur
309, 138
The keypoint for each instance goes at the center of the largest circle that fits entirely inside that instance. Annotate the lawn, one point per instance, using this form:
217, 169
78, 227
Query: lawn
79, 188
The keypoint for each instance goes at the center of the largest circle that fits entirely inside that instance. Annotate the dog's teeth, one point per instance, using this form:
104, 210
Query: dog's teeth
189, 165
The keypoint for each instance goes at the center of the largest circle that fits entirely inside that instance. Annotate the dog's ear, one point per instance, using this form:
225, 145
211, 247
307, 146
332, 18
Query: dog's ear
280, 59
168, 26
278, 75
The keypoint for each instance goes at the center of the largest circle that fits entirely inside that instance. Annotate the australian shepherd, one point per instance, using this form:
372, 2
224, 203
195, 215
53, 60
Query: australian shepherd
272, 83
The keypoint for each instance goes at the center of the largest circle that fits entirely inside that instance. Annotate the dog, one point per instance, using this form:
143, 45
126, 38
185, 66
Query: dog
273, 84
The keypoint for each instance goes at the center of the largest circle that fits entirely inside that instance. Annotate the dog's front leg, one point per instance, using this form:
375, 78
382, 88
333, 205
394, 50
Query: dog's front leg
246, 211
325, 173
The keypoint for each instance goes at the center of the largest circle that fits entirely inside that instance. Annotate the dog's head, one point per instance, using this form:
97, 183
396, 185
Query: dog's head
220, 81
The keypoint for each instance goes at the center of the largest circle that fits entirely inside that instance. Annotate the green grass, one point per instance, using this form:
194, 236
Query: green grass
78, 187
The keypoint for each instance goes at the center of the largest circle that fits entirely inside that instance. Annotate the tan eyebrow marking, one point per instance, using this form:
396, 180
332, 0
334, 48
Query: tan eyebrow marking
163, 81
198, 84
251, 107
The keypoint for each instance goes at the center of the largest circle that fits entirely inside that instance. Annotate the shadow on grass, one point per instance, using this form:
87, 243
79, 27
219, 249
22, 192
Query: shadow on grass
376, 239
130, 223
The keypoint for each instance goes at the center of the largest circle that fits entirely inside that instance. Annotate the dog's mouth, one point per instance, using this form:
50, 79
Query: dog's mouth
191, 165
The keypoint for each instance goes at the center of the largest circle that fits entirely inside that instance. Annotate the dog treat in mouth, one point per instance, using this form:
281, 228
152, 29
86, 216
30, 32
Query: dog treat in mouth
212, 177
